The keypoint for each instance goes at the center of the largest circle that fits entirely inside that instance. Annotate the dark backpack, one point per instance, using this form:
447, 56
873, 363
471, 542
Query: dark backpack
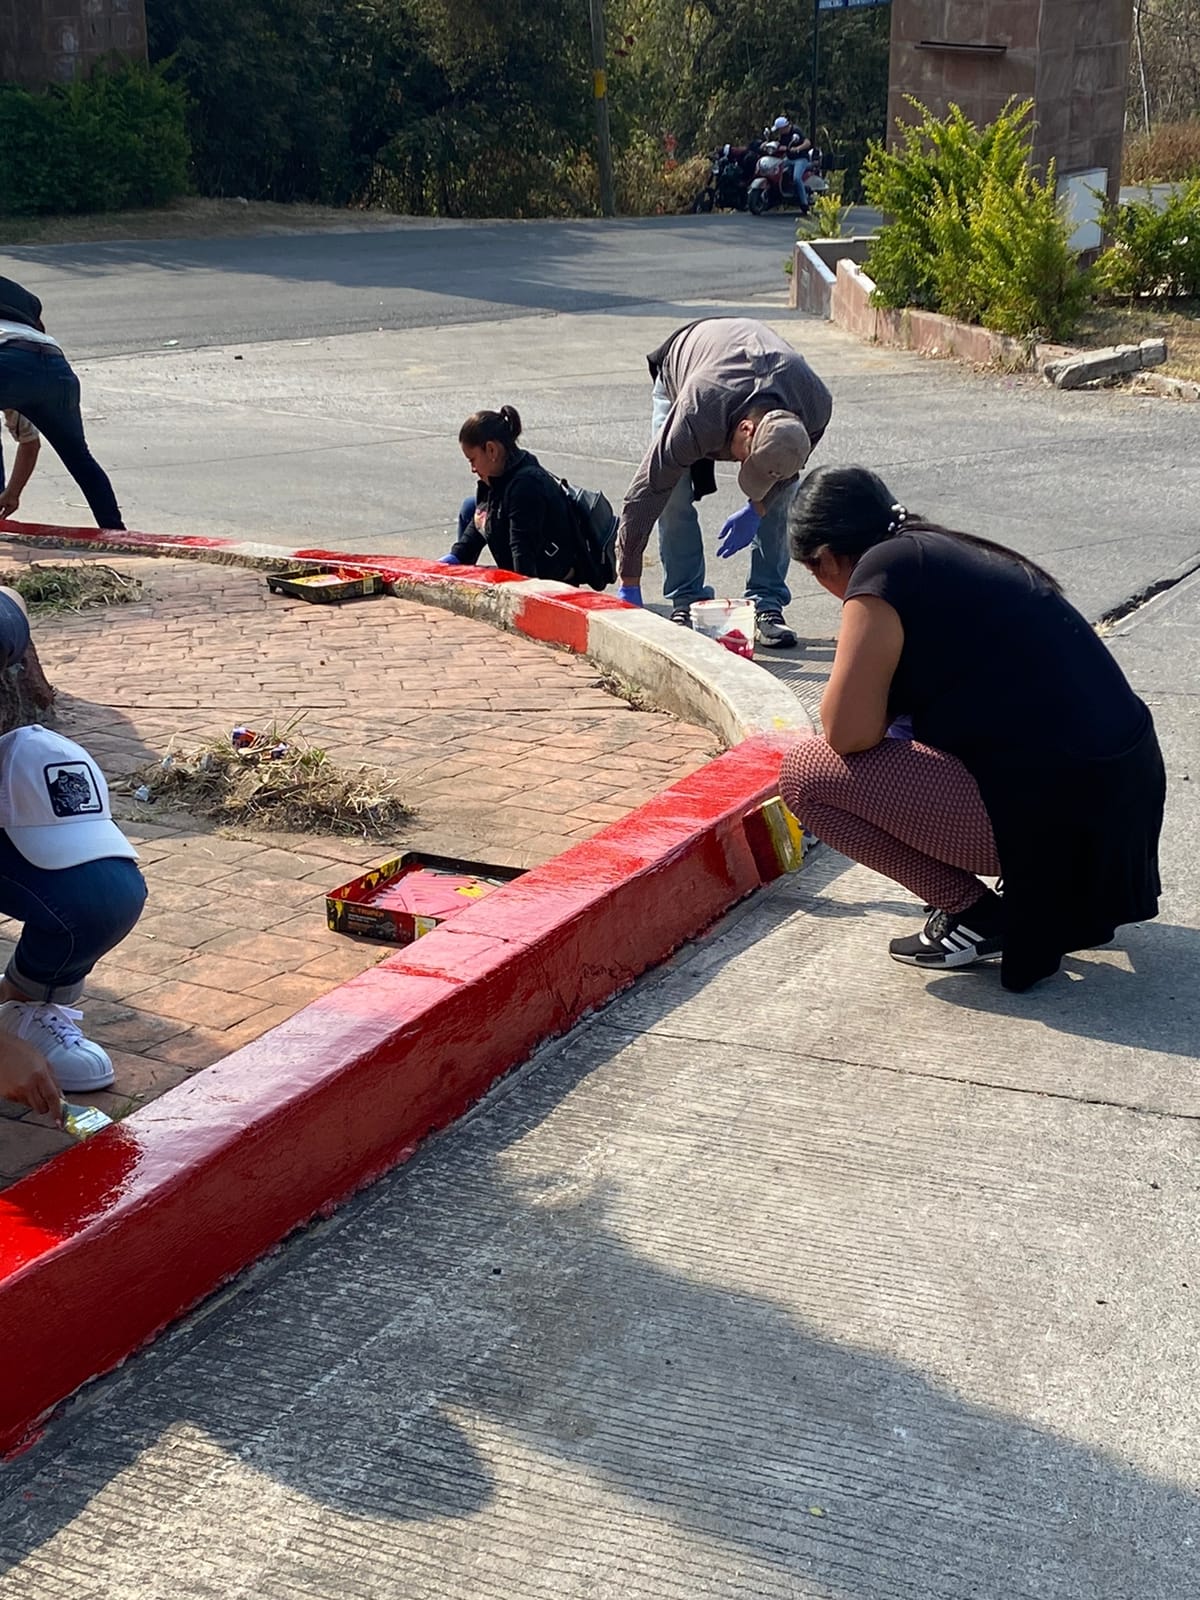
595, 522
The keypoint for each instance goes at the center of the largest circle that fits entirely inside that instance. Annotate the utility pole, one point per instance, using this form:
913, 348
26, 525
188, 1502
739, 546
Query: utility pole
816, 68
600, 95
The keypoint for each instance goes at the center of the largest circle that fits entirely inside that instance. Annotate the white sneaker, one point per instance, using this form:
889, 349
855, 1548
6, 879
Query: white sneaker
78, 1065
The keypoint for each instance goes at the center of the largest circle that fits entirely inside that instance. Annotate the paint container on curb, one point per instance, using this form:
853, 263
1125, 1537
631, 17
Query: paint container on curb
82, 1121
729, 622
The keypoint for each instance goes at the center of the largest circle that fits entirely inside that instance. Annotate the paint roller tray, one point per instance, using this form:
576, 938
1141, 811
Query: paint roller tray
325, 587
411, 895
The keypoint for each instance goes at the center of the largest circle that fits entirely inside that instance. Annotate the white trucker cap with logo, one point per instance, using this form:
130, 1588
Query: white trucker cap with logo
54, 801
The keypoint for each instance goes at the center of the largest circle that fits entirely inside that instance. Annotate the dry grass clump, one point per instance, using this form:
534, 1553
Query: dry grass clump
279, 782
46, 588
1167, 154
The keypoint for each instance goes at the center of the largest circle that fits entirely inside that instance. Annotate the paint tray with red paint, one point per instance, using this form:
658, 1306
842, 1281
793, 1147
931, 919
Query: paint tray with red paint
326, 587
411, 895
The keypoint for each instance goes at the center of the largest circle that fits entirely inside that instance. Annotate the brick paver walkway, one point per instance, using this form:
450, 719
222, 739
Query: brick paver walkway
510, 751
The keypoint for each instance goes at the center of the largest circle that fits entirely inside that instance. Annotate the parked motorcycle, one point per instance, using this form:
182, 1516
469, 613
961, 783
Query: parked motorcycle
733, 168
774, 182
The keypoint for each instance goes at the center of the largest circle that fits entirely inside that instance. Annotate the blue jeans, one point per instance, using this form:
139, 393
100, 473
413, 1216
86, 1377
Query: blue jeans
71, 918
466, 516
681, 543
40, 384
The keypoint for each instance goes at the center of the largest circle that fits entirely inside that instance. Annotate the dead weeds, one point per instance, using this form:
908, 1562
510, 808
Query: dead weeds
277, 782
1176, 321
47, 589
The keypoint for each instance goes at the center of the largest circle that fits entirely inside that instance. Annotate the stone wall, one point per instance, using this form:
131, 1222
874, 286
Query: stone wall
54, 41
1070, 57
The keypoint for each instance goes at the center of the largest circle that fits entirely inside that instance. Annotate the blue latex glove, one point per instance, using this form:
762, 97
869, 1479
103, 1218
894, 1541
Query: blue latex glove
449, 561
739, 531
631, 593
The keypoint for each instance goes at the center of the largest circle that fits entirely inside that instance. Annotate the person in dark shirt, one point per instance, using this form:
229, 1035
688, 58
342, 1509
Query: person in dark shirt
520, 512
37, 381
974, 726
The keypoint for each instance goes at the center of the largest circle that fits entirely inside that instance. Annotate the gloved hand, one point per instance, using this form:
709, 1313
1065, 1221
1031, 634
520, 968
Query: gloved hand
631, 593
739, 531
449, 561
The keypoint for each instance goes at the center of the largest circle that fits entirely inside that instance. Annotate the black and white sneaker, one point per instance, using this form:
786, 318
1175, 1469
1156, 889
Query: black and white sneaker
683, 616
771, 630
955, 940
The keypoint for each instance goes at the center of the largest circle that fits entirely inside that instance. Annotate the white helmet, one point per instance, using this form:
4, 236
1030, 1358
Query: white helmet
779, 123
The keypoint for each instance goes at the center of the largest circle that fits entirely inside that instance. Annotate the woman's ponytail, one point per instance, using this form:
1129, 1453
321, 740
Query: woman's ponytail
482, 428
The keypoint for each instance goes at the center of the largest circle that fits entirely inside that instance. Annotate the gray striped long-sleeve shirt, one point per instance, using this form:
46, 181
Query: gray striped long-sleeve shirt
716, 372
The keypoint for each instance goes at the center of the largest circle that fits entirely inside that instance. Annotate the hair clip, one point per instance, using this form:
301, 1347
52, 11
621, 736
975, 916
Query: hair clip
899, 518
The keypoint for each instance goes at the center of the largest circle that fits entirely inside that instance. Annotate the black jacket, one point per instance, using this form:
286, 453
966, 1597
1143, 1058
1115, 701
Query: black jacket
530, 529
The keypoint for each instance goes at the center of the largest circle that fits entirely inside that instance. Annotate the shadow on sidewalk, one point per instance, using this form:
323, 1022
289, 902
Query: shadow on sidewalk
481, 1310
1151, 1004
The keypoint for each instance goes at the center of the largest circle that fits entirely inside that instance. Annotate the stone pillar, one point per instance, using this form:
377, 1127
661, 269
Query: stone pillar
1070, 57
55, 41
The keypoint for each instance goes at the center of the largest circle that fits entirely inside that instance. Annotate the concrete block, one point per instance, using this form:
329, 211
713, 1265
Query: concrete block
1091, 366
1154, 352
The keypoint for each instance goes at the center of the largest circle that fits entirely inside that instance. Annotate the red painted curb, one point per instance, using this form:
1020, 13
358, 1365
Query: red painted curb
553, 618
106, 1244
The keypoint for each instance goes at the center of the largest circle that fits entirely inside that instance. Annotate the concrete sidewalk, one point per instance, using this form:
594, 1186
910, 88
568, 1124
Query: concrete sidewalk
792, 1275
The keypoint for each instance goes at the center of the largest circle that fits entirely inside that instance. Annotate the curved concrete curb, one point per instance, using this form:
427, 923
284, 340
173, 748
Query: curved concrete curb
686, 674
109, 1242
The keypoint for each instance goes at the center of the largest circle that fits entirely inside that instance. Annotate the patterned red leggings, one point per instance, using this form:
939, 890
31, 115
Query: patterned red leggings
908, 811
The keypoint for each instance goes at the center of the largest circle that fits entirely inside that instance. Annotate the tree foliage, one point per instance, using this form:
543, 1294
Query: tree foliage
469, 108
1164, 83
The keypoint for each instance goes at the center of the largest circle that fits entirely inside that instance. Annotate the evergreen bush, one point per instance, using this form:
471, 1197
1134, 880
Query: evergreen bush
104, 143
1155, 250
970, 229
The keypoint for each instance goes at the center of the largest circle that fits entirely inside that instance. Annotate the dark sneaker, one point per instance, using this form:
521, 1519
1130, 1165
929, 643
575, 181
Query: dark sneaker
955, 940
771, 630
683, 616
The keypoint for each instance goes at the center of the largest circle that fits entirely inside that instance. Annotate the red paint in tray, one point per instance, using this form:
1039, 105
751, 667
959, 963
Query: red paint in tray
410, 895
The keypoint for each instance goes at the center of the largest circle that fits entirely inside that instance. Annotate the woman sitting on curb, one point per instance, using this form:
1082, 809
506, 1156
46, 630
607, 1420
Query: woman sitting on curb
1030, 757
520, 511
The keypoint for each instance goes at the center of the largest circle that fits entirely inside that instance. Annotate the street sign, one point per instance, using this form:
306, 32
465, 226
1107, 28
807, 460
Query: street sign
846, 5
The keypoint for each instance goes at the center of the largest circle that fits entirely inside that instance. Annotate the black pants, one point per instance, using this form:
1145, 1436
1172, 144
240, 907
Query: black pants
38, 382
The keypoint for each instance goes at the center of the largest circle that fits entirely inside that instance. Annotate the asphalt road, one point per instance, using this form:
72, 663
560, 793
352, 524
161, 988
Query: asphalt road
118, 299
308, 389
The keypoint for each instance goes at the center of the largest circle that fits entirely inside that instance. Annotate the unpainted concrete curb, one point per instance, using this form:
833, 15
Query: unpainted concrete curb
685, 673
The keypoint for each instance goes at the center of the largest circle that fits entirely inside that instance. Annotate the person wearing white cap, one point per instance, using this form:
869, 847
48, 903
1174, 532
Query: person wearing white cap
68, 875
725, 389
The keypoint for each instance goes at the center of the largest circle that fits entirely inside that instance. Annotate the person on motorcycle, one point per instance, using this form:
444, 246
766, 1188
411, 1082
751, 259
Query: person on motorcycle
725, 389
796, 148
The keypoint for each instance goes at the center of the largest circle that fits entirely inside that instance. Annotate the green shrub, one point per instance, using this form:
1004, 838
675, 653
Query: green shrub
827, 218
970, 230
104, 143
1155, 251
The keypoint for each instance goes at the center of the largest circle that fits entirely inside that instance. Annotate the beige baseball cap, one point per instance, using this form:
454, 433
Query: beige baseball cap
778, 451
